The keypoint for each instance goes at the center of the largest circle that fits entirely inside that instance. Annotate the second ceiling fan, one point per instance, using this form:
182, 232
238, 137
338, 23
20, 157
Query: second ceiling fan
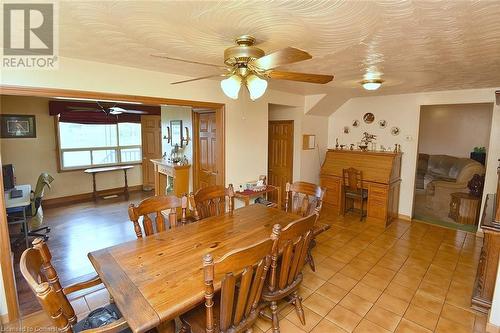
246, 64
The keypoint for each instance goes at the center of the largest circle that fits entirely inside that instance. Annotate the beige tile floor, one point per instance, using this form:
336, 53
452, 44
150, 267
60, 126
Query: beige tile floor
410, 277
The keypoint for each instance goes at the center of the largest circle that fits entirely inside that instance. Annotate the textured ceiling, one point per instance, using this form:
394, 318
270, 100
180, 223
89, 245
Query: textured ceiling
414, 45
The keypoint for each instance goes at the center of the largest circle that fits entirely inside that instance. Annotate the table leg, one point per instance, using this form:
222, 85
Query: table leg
279, 197
94, 193
168, 327
125, 191
247, 201
25, 227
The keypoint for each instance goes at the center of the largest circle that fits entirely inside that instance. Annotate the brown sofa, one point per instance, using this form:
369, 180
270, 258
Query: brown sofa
443, 175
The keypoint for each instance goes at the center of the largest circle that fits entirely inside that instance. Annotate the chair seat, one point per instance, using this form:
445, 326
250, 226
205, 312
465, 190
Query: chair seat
357, 195
93, 320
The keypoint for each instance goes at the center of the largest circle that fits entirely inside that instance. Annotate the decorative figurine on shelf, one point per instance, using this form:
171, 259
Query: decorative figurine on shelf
352, 146
342, 147
337, 143
176, 154
368, 138
476, 185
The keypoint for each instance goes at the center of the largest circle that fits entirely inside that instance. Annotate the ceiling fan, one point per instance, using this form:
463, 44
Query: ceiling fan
111, 110
249, 65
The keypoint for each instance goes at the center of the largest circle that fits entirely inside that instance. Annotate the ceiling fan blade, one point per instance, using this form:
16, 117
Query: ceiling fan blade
160, 55
82, 108
284, 56
199, 78
302, 77
134, 112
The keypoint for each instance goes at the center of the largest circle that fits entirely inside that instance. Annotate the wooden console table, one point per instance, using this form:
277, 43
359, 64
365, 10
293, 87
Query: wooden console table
171, 178
464, 208
94, 171
246, 195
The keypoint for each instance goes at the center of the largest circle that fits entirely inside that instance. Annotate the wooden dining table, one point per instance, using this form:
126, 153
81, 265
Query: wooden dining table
157, 278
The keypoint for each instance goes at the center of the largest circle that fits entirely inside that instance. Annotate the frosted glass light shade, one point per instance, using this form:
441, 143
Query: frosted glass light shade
256, 86
371, 84
231, 86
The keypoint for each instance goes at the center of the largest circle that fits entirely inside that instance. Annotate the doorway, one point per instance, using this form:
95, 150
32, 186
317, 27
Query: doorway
452, 147
280, 154
208, 145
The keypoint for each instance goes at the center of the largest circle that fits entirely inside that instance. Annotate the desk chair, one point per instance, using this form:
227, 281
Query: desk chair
35, 210
353, 188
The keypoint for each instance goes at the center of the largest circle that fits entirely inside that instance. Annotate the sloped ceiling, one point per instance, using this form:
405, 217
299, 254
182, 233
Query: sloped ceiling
414, 45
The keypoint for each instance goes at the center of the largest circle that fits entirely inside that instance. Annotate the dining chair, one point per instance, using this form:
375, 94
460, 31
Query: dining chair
242, 274
157, 205
304, 199
286, 269
37, 269
352, 183
212, 201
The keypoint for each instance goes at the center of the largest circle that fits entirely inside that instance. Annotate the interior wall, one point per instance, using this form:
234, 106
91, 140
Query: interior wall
403, 111
454, 129
184, 113
306, 163
32, 156
244, 118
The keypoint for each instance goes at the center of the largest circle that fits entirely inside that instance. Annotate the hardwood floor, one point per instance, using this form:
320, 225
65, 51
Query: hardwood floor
75, 231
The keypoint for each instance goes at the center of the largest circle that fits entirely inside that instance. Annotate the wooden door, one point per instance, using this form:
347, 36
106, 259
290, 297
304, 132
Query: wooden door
151, 148
206, 150
280, 154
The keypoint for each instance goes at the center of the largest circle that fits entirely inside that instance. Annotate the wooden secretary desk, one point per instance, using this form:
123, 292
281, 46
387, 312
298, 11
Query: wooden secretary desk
381, 177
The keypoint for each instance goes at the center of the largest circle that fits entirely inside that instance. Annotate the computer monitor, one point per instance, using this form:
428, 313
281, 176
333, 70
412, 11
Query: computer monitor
8, 177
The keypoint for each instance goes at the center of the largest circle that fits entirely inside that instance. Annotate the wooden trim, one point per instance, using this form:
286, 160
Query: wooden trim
6, 262
195, 135
55, 92
492, 328
86, 197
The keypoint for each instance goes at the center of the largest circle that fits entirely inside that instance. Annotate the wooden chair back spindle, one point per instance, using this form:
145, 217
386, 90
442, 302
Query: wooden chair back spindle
212, 201
156, 206
246, 268
304, 198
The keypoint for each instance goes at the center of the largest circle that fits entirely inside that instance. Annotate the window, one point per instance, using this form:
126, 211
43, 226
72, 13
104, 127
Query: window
83, 145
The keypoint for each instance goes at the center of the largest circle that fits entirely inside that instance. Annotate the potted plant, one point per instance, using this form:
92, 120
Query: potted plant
479, 154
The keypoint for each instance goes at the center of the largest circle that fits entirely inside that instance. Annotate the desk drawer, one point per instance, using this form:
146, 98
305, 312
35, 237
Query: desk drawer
379, 191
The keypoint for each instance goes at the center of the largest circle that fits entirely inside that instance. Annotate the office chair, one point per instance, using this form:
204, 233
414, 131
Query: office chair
35, 209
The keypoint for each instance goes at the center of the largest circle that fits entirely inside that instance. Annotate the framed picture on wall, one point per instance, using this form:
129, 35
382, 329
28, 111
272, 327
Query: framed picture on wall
17, 126
176, 132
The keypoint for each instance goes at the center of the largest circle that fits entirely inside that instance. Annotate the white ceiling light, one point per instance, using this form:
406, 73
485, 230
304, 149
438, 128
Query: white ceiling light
256, 86
231, 86
372, 84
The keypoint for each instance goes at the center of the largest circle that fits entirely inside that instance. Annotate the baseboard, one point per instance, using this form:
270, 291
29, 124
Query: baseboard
4, 319
480, 233
404, 217
490, 328
86, 197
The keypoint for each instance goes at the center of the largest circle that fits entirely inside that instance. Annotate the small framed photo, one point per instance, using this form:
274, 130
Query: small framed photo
17, 126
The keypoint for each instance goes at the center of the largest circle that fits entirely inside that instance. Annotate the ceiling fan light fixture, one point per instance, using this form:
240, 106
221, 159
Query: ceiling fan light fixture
373, 84
256, 86
231, 86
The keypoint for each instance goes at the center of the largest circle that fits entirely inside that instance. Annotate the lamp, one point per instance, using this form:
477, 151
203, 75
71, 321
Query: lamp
231, 86
373, 84
256, 86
